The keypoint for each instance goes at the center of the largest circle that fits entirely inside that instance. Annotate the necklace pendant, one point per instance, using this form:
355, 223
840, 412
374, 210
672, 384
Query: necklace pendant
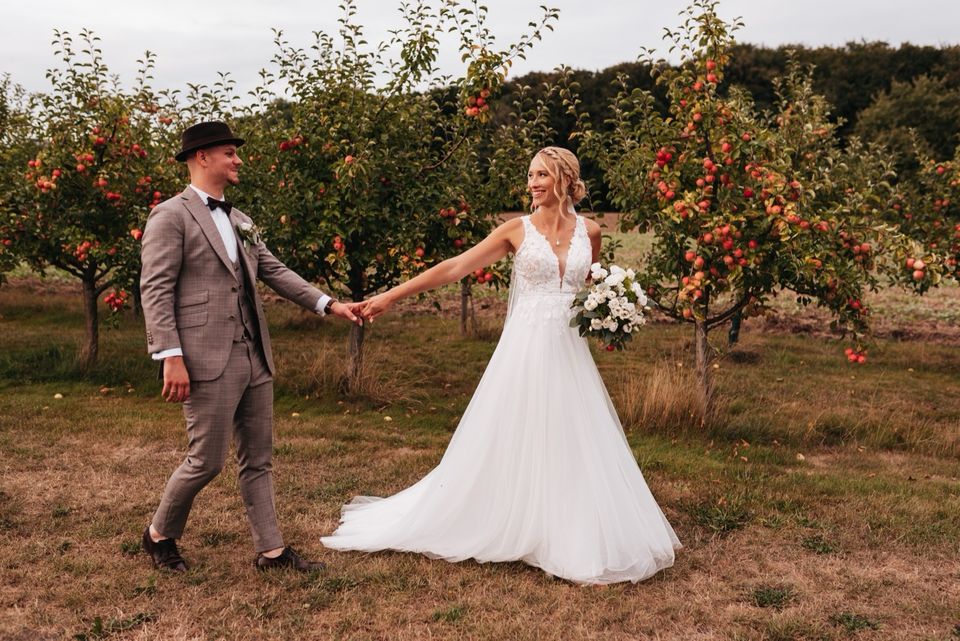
558, 242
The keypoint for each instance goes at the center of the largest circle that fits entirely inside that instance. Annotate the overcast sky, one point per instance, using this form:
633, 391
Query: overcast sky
195, 39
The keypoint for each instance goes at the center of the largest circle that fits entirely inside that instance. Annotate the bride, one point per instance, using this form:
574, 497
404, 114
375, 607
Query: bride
538, 469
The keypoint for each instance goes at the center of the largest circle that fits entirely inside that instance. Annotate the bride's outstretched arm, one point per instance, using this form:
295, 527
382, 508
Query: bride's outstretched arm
488, 251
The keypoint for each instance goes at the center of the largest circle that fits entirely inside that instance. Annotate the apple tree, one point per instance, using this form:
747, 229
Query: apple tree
742, 204
365, 145
102, 161
16, 149
929, 213
485, 177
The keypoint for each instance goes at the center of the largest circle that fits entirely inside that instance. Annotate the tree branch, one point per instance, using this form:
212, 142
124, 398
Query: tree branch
740, 304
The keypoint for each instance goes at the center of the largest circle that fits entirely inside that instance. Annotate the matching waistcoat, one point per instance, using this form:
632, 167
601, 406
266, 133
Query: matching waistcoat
247, 326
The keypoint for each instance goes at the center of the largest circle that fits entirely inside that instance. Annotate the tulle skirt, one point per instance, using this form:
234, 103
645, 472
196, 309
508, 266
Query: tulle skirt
538, 470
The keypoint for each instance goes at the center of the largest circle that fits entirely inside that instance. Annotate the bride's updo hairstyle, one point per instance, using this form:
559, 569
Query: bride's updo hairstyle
564, 168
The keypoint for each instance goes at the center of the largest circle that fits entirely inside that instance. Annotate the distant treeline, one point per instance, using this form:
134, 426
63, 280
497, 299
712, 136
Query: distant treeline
878, 93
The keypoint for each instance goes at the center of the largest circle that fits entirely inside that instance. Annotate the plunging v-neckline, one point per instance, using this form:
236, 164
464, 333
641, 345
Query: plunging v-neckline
561, 266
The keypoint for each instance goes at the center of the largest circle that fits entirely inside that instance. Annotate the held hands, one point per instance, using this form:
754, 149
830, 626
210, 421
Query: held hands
373, 307
176, 381
348, 311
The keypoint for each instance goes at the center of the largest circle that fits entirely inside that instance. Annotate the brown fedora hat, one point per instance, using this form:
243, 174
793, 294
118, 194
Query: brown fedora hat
203, 135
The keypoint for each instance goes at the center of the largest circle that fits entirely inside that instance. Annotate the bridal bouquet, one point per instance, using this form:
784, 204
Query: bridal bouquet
611, 307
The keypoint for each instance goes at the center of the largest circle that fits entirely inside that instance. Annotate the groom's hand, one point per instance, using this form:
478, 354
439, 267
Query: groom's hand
347, 311
176, 381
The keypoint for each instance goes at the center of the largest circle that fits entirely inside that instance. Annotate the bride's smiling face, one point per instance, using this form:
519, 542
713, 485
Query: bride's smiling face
540, 184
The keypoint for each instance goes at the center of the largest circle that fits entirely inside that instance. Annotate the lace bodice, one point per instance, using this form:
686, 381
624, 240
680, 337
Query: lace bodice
537, 267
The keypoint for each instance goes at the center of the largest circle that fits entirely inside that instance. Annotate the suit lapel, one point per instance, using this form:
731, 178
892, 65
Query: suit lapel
201, 213
241, 250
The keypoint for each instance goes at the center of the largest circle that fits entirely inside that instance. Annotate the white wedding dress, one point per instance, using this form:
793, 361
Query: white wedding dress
538, 469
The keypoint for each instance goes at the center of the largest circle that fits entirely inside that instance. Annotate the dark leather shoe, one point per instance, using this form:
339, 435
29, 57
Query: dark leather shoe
287, 559
164, 554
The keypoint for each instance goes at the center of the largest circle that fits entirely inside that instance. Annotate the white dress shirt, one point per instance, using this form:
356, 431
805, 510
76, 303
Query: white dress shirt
222, 221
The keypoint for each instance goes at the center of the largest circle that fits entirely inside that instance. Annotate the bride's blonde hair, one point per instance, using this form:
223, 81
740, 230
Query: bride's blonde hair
564, 168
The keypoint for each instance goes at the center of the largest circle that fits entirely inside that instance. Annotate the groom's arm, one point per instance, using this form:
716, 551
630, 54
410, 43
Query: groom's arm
161, 256
294, 287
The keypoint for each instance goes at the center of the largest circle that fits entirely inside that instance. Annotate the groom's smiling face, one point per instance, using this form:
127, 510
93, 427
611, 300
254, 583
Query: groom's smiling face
222, 164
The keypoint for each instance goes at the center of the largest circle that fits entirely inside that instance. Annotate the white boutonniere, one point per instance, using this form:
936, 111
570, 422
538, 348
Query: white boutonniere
249, 234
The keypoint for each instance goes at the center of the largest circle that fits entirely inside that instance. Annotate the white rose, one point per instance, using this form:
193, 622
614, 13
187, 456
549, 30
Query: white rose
597, 271
615, 278
590, 304
596, 323
641, 295
246, 226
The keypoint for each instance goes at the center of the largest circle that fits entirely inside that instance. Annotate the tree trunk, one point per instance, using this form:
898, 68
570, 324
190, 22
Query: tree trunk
704, 375
88, 355
466, 306
137, 302
735, 321
353, 382
355, 358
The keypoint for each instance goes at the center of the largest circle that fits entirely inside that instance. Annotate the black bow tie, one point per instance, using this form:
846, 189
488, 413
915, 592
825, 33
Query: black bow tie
225, 205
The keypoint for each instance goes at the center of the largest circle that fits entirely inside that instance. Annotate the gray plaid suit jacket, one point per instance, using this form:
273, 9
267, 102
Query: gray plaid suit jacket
189, 289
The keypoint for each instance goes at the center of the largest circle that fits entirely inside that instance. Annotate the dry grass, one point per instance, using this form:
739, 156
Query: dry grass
663, 398
824, 502
322, 370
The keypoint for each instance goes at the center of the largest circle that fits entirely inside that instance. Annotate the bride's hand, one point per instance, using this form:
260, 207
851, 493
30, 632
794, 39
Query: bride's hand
375, 306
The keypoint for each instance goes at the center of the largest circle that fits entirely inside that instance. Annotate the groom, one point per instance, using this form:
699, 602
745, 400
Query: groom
201, 260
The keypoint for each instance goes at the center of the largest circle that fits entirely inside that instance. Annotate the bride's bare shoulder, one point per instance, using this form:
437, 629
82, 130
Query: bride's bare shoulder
511, 231
593, 227
510, 228
514, 223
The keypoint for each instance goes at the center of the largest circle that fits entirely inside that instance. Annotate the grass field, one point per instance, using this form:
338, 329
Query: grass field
823, 502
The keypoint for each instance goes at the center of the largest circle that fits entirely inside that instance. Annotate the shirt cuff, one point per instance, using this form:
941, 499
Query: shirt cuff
173, 351
322, 303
